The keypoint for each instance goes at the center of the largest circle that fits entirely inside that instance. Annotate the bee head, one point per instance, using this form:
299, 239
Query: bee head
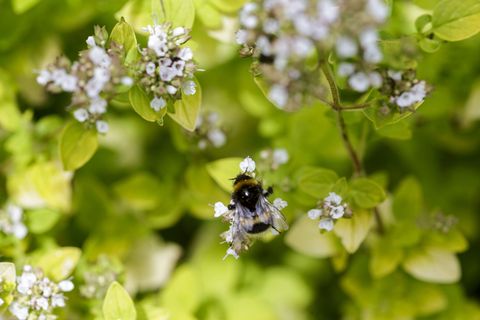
241, 177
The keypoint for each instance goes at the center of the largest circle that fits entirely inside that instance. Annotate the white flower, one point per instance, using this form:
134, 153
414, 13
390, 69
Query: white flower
337, 212
127, 81
303, 46
157, 103
271, 26
279, 95
66, 285
280, 156
395, 75
91, 41
185, 54
102, 126
247, 165
150, 68
328, 10
98, 106
333, 198
345, 69
19, 230
178, 31
359, 82
1, 302
231, 252
69, 83
58, 300
346, 47
248, 19
368, 37
99, 56
178, 66
81, 115
280, 203
220, 209
167, 73
189, 88
376, 79
326, 224
378, 10
19, 311
44, 77
216, 137
241, 36
15, 212
406, 99
157, 43
314, 214
419, 90
171, 89
373, 54
42, 303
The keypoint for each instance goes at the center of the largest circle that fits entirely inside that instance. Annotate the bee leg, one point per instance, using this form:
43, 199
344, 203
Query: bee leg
268, 192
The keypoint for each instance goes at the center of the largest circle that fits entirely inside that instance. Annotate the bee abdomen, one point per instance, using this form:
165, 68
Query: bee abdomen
259, 228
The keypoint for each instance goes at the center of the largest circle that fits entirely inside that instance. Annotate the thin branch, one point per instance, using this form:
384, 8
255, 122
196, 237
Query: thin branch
378, 219
356, 107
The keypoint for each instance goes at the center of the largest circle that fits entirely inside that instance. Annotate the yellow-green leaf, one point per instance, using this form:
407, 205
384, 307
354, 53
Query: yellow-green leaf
316, 182
77, 145
140, 102
366, 193
179, 13
117, 304
58, 264
7, 272
21, 6
187, 109
353, 231
141, 191
455, 20
41, 220
123, 34
433, 265
304, 236
223, 171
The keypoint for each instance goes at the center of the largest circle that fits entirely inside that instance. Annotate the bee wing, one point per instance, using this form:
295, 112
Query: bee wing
241, 222
268, 212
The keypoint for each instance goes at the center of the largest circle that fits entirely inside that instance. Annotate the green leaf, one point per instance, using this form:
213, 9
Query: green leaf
304, 236
228, 6
7, 272
142, 191
421, 23
316, 182
429, 45
408, 200
353, 231
433, 265
77, 145
455, 20
140, 102
366, 193
179, 13
187, 109
117, 304
223, 171
123, 34
41, 220
21, 6
182, 293
385, 259
58, 264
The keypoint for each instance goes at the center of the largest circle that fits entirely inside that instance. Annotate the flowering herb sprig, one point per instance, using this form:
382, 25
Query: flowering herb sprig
36, 296
209, 131
329, 210
93, 80
166, 68
11, 221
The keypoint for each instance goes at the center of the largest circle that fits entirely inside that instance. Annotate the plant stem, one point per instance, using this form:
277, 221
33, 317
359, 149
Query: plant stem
338, 108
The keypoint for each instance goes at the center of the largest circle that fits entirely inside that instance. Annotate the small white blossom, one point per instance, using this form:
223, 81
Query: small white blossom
127, 81
11, 221
345, 69
376, 79
189, 88
157, 103
97, 105
216, 137
280, 156
247, 165
178, 31
81, 115
279, 95
69, 83
91, 41
378, 10
172, 90
185, 54
346, 47
150, 68
280, 203
326, 224
66, 285
220, 209
359, 82
44, 77
241, 36
231, 252
99, 56
337, 212
333, 198
314, 213
102, 126
21, 312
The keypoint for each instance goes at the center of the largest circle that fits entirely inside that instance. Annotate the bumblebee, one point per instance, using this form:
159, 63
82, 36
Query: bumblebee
250, 213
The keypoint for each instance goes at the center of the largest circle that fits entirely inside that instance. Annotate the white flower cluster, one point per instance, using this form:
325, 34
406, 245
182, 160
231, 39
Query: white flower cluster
167, 68
248, 165
274, 158
92, 80
403, 89
11, 221
357, 46
209, 131
98, 277
283, 35
36, 296
329, 210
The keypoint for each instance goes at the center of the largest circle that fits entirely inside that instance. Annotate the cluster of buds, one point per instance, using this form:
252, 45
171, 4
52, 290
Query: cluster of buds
11, 221
404, 89
166, 69
209, 132
92, 80
274, 158
357, 45
439, 221
329, 210
98, 277
249, 213
283, 36
36, 296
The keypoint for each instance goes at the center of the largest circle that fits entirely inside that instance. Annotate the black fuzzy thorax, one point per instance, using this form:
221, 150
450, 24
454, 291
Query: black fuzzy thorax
247, 191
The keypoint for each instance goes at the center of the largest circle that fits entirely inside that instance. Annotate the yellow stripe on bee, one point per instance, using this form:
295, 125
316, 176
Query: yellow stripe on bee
245, 183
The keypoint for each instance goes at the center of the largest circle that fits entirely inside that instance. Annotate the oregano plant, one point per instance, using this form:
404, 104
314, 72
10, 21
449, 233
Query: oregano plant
239, 159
